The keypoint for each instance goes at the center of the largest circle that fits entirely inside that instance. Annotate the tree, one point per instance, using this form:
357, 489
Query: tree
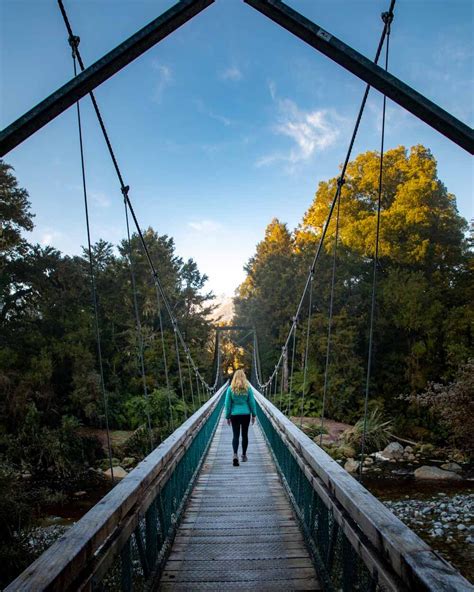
423, 329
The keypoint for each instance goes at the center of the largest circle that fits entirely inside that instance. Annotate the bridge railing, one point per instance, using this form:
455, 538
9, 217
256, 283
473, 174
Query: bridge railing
122, 542
355, 541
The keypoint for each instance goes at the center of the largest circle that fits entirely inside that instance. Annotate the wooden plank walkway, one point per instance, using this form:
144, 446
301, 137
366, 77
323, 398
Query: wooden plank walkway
239, 531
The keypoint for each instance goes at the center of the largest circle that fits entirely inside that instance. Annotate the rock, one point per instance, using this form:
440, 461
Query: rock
408, 449
452, 466
80, 493
128, 461
426, 448
380, 456
352, 465
119, 473
26, 475
461, 527
368, 461
411, 457
394, 450
426, 472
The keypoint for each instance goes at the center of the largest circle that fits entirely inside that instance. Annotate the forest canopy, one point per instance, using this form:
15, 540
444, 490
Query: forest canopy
48, 356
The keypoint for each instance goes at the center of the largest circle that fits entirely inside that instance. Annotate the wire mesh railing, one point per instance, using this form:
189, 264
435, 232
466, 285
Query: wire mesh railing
124, 540
356, 543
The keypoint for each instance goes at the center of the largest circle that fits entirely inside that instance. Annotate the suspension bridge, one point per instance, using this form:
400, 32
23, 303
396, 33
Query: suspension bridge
185, 519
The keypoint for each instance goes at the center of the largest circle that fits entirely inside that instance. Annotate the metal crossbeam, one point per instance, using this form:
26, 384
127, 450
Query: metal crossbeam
99, 72
349, 58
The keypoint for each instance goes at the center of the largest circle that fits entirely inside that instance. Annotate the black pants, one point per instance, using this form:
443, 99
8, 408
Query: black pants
239, 421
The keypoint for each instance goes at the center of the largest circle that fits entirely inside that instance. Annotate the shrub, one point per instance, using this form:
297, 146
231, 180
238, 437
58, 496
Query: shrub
453, 405
376, 436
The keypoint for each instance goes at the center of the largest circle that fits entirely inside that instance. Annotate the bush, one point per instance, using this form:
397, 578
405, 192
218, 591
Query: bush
15, 514
39, 448
376, 436
314, 430
453, 405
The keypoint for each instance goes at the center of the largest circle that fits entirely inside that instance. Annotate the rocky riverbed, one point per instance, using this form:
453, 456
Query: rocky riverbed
445, 522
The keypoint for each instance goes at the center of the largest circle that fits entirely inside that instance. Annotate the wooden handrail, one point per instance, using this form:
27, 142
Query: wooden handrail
401, 559
72, 559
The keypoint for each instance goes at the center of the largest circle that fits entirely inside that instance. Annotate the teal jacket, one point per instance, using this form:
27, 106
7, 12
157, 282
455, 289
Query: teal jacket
239, 404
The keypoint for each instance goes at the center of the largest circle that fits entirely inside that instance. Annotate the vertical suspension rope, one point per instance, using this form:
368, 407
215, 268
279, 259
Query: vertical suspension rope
74, 41
191, 383
387, 17
198, 389
308, 331
165, 358
340, 182
281, 385
295, 326
180, 373
138, 324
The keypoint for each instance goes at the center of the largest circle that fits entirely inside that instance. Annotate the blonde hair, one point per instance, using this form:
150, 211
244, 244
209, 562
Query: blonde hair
239, 383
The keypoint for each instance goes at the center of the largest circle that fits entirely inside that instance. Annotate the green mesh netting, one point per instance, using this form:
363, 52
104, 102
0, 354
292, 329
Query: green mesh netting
338, 565
145, 552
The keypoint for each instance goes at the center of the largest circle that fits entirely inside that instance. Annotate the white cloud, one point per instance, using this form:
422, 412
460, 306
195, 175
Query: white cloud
311, 131
163, 80
205, 226
100, 199
50, 237
233, 73
202, 108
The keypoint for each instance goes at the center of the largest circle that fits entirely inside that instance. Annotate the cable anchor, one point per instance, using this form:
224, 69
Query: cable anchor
74, 41
387, 18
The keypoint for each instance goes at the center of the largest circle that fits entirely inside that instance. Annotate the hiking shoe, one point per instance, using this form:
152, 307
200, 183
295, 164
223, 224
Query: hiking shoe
235, 461
244, 458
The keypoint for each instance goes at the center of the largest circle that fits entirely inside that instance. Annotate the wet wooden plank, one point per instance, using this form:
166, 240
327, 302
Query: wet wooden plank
239, 531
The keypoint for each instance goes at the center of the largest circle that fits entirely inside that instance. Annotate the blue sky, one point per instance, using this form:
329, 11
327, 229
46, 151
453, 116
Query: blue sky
225, 124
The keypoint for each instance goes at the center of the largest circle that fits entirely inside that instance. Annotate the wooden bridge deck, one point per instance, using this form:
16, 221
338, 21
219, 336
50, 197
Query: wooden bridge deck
239, 531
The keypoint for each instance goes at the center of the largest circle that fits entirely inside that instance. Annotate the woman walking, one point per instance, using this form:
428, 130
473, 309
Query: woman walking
239, 407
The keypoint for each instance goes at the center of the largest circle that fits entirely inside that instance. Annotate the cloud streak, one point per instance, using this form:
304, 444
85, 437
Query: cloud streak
164, 77
310, 131
232, 73
205, 226
202, 108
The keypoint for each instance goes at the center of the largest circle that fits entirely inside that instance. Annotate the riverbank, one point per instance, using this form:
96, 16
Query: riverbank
440, 513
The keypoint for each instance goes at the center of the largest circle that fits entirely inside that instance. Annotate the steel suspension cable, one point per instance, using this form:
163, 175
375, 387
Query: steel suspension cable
308, 331
165, 358
139, 330
191, 384
387, 18
294, 327
74, 42
124, 188
180, 375
331, 305
198, 390
281, 385
343, 171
